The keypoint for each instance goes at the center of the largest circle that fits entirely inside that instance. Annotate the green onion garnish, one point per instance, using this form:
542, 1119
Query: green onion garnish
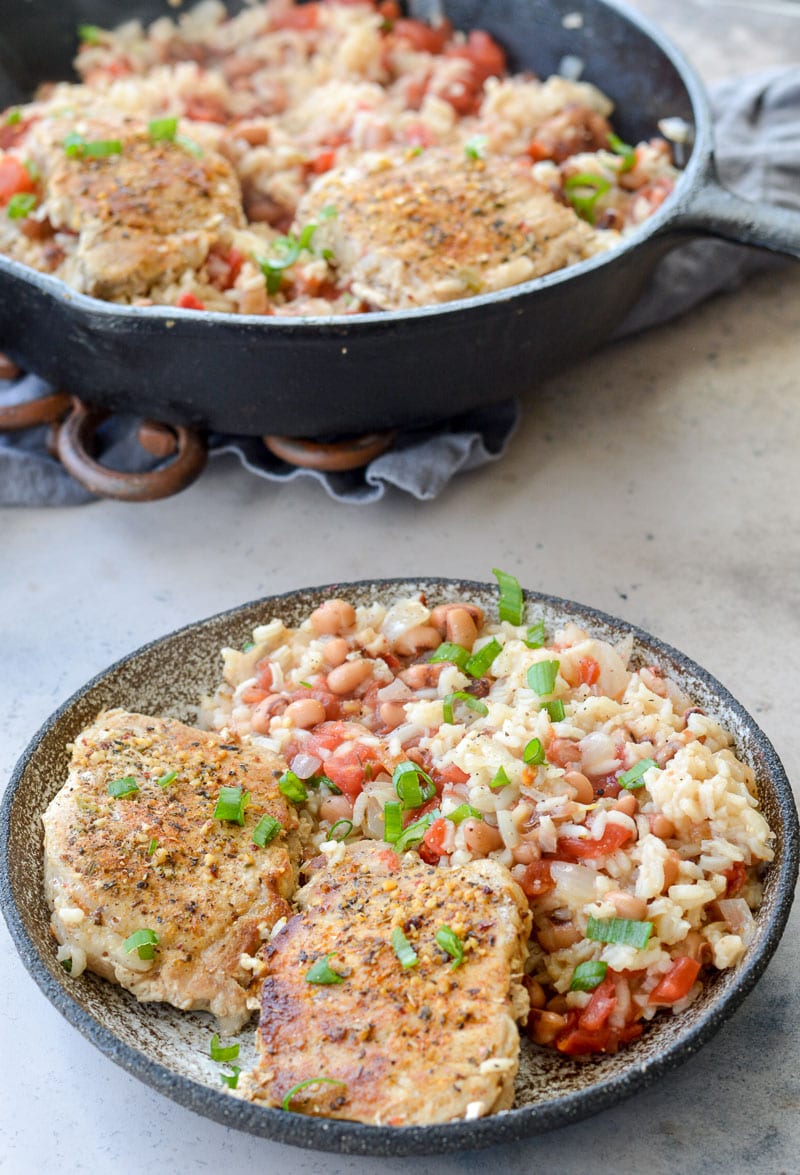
583, 191
475, 147
248, 645
468, 700
500, 779
510, 607
328, 212
633, 777
67, 965
403, 949
451, 944
479, 662
266, 830
77, 147
415, 833
189, 145
464, 812
162, 129
348, 828
121, 789
167, 778
627, 152
286, 1103
74, 145
555, 708
291, 786
588, 976
20, 205
542, 677
231, 804
143, 942
288, 250
13, 118
322, 972
535, 637
32, 169
533, 753
392, 821
231, 1079
89, 34
624, 931
218, 1053
450, 652
323, 781
406, 779
151, 848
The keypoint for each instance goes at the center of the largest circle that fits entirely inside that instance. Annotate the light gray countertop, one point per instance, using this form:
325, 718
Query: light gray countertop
658, 481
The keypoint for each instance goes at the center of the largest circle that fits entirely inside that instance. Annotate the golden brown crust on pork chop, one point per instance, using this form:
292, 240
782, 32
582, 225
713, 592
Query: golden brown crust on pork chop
425, 1044
159, 860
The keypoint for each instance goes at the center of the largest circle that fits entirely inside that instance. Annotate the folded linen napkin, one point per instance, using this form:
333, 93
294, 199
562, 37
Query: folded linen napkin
757, 121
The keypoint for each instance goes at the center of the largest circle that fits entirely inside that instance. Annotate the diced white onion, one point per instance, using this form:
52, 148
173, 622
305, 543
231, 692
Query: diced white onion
677, 130
598, 753
304, 766
739, 917
574, 883
394, 691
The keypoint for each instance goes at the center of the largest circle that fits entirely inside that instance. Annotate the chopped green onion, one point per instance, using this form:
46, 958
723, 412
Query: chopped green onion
102, 148
324, 781
323, 973
218, 1053
535, 637
533, 753
13, 117
583, 191
248, 645
306, 685
20, 205
511, 606
189, 145
542, 677
343, 835
555, 708
162, 129
500, 779
151, 848
633, 777
289, 249
468, 700
143, 942
451, 652
392, 821
627, 152
403, 949
67, 965
74, 144
451, 944
464, 812
121, 789
266, 830
625, 931
167, 778
32, 169
291, 786
588, 976
479, 662
475, 148
414, 834
89, 34
231, 804
231, 1079
286, 1103
406, 779
328, 212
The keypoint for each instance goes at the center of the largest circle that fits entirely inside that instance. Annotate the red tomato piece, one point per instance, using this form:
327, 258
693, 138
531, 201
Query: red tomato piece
189, 301
303, 17
422, 37
448, 774
563, 752
321, 163
677, 982
484, 54
263, 675
14, 178
613, 838
537, 879
736, 876
600, 1006
350, 768
577, 1042
588, 671
433, 841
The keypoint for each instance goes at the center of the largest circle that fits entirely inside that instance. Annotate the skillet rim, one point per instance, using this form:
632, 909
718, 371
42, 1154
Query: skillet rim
354, 1138
691, 178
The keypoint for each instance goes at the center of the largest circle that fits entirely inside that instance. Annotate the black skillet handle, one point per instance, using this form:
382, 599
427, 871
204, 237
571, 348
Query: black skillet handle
712, 209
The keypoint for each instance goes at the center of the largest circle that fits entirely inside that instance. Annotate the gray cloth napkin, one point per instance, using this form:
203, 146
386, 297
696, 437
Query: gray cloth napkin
757, 122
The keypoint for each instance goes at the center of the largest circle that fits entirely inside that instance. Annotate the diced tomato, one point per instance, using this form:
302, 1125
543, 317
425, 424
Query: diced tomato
588, 671
389, 858
14, 178
263, 674
329, 735
303, 16
483, 53
677, 982
538, 151
223, 267
577, 1042
563, 752
422, 37
189, 301
449, 774
350, 768
417, 134
600, 1006
736, 876
321, 163
433, 842
537, 879
613, 838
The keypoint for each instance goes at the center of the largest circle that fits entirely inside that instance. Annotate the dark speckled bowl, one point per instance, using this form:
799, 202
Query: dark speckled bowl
169, 1049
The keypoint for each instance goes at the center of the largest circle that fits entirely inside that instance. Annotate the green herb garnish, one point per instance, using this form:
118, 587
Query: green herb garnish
627, 152
403, 949
511, 606
588, 976
121, 789
542, 677
500, 779
451, 652
231, 1079
468, 700
219, 1053
266, 830
392, 821
535, 637
413, 785
414, 834
143, 942
166, 779
555, 708
162, 129
286, 1103
634, 776
231, 804
479, 662
20, 205
451, 944
291, 786
475, 148
342, 835
533, 753
464, 812
583, 191
322, 973
625, 931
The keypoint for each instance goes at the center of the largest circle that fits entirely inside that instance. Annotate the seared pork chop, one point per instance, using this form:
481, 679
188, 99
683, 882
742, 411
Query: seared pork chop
407, 230
156, 859
144, 214
390, 1043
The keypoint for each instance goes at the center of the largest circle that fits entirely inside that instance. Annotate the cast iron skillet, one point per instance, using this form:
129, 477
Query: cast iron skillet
326, 376
169, 1049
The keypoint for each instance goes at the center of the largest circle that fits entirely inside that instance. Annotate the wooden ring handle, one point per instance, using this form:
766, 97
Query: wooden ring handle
74, 446
15, 417
333, 457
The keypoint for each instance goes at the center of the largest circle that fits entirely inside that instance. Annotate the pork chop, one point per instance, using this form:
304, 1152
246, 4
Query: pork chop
143, 214
405, 230
156, 859
394, 1040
